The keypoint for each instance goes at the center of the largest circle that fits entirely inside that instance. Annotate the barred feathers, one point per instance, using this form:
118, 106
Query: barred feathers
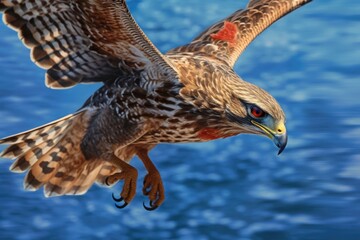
52, 156
59, 39
83, 41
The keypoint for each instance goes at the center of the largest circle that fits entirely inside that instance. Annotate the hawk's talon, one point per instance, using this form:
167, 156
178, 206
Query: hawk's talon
107, 181
151, 208
117, 199
154, 189
121, 206
129, 175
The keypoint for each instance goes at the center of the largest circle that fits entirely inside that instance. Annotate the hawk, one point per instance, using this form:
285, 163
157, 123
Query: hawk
189, 94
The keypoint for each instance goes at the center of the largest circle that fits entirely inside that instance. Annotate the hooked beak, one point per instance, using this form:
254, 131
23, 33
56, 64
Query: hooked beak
280, 141
279, 135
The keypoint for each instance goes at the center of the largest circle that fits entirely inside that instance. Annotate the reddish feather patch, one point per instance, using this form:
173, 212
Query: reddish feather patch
208, 134
227, 33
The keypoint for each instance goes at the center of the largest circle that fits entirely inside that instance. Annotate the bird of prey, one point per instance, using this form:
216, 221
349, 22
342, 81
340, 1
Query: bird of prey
189, 94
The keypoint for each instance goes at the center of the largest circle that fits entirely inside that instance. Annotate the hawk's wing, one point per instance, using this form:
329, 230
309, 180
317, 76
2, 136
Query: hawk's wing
228, 38
83, 41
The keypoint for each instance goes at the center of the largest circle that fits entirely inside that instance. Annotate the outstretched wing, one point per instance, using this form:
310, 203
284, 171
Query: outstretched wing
228, 38
83, 41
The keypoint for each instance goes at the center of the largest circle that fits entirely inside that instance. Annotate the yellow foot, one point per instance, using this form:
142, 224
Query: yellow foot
154, 189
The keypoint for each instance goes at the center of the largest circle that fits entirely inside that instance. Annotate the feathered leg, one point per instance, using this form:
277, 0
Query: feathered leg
153, 186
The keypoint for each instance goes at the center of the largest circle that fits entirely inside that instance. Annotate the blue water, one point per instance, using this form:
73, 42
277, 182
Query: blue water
237, 188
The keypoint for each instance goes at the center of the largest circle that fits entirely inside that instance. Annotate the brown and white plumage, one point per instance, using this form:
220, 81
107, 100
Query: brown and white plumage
189, 94
249, 23
82, 41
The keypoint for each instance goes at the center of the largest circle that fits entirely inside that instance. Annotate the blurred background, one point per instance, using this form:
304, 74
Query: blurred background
237, 188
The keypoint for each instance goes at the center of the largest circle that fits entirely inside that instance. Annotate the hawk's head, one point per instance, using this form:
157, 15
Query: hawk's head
252, 110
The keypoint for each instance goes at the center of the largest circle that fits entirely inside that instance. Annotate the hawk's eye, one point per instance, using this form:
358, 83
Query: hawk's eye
257, 112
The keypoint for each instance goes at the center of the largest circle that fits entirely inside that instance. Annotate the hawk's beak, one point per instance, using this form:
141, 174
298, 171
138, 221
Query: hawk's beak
278, 135
280, 141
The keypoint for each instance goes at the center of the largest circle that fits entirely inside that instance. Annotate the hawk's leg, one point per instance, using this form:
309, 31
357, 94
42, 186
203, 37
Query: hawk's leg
153, 185
129, 174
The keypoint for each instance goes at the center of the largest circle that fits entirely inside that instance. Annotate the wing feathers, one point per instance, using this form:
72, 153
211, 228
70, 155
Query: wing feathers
83, 41
80, 66
232, 35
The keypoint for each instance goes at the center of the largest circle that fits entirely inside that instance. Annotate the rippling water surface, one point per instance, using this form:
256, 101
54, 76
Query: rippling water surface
236, 188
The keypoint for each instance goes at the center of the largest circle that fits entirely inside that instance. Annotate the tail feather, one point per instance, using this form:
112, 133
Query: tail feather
28, 147
52, 155
74, 182
85, 181
32, 155
15, 150
31, 183
44, 168
59, 183
43, 132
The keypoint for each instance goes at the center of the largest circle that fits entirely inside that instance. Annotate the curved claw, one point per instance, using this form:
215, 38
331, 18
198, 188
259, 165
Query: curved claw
117, 199
151, 208
121, 206
106, 181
